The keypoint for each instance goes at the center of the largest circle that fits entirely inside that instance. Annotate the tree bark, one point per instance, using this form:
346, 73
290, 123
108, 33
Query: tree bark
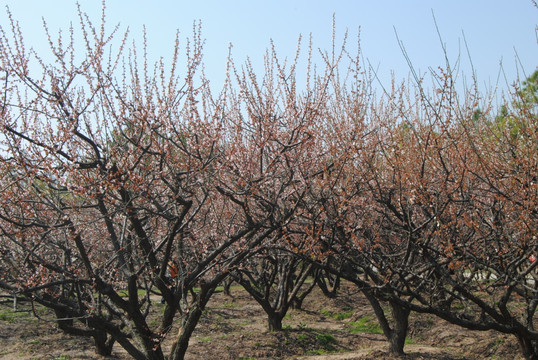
65, 323
227, 285
529, 348
399, 332
190, 320
103, 344
179, 348
274, 321
297, 301
395, 335
329, 286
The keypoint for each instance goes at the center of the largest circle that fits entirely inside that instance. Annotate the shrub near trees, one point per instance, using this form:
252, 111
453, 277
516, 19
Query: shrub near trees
112, 169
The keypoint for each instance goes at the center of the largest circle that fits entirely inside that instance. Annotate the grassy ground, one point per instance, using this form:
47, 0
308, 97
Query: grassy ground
235, 327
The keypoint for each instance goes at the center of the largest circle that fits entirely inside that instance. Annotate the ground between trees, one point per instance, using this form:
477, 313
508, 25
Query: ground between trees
235, 327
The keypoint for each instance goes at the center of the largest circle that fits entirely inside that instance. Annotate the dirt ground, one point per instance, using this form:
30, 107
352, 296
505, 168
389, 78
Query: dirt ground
235, 328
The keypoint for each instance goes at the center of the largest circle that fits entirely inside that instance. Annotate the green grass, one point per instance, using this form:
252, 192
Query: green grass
154, 322
230, 305
326, 339
346, 314
11, 316
220, 288
327, 343
366, 325
125, 293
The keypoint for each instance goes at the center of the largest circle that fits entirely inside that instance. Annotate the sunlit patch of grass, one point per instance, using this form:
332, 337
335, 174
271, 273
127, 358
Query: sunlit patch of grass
220, 288
125, 293
230, 305
365, 325
327, 342
346, 314
326, 339
11, 316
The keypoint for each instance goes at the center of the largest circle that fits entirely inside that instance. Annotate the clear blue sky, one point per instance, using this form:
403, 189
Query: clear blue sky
494, 29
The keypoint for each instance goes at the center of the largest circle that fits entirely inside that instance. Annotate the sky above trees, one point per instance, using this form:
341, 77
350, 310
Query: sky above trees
494, 31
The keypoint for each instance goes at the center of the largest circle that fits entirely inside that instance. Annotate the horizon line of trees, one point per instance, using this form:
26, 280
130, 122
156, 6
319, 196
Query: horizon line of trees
111, 170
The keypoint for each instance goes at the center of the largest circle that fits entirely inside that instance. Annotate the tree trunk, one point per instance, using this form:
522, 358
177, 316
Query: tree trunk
328, 285
190, 320
399, 331
274, 321
395, 334
529, 348
227, 284
297, 301
65, 323
103, 346
179, 348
